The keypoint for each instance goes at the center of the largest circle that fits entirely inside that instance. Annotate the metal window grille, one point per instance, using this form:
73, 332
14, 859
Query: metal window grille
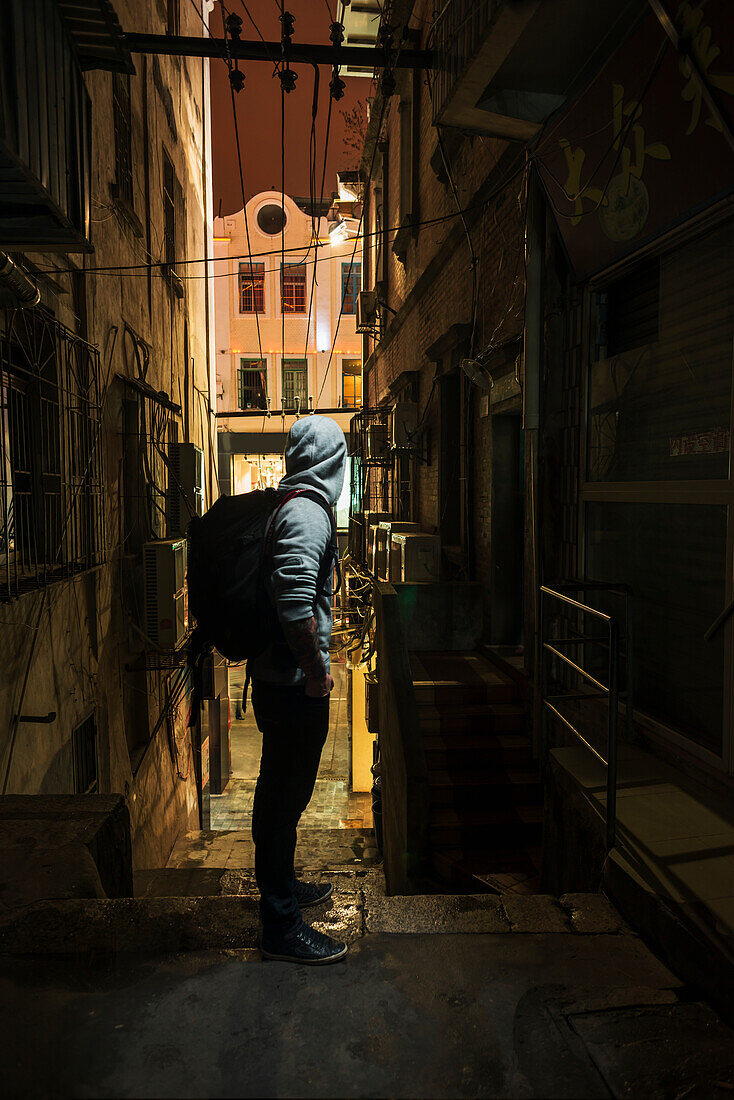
295, 384
252, 384
84, 748
351, 283
51, 491
252, 288
123, 136
351, 383
169, 210
293, 288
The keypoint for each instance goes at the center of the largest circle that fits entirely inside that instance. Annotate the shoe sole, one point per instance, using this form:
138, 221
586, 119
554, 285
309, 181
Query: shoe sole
305, 962
310, 904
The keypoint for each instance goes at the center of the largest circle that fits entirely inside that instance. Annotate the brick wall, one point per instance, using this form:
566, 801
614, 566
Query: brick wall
432, 290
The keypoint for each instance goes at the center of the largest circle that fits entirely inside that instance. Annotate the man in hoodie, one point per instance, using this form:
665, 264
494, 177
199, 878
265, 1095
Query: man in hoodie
291, 682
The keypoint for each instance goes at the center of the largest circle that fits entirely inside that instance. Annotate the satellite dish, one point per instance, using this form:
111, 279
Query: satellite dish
476, 373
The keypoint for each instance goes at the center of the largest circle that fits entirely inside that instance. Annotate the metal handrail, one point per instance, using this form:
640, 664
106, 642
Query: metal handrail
610, 691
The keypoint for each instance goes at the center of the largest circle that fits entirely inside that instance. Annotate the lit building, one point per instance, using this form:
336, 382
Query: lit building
278, 298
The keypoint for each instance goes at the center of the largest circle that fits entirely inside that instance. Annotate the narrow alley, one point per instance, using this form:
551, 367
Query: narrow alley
366, 540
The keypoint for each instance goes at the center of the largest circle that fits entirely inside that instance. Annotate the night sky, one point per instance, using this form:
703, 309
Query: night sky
258, 107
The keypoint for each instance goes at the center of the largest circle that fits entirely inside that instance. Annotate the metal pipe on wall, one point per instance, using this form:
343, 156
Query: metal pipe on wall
22, 290
533, 358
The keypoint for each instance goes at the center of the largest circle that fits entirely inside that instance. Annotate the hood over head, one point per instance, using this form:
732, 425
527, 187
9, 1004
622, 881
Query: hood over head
315, 456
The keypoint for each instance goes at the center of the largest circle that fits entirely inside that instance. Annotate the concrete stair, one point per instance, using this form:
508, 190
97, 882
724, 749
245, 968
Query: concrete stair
485, 818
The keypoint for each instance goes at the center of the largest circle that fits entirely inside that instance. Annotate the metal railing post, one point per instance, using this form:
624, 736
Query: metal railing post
612, 735
543, 732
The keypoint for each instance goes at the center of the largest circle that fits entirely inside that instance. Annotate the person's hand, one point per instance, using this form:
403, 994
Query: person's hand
317, 689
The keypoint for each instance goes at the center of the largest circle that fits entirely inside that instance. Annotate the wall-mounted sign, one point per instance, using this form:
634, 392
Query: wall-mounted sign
639, 150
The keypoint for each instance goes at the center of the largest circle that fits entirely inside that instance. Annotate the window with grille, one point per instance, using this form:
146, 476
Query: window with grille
121, 112
169, 210
51, 514
84, 748
252, 288
252, 385
295, 384
351, 383
351, 283
293, 288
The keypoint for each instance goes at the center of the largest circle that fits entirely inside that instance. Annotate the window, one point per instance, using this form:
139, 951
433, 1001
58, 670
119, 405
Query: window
351, 383
295, 385
121, 113
252, 288
51, 519
252, 384
84, 748
148, 430
351, 285
293, 288
169, 210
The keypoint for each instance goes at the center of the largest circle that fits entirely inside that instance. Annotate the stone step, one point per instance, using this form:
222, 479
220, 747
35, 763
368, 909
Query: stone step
451, 827
490, 788
459, 679
471, 718
470, 869
464, 751
91, 928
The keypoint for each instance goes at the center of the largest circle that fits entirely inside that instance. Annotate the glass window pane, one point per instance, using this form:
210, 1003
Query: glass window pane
660, 388
674, 558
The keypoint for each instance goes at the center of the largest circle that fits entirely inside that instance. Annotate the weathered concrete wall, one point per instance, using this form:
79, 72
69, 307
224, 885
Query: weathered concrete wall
77, 659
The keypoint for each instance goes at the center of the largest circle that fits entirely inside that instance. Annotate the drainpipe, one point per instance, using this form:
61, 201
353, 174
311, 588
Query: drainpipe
532, 423
23, 291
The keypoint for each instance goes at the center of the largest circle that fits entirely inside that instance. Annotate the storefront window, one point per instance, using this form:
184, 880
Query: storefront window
674, 558
660, 375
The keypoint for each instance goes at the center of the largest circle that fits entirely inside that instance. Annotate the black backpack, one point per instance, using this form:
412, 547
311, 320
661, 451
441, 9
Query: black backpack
226, 572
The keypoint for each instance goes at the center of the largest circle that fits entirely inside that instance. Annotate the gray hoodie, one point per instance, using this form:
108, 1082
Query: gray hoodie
315, 458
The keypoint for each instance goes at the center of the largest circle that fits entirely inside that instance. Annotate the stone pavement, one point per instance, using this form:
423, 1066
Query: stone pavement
439, 997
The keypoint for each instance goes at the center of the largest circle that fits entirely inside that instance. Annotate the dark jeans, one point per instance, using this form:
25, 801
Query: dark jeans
294, 729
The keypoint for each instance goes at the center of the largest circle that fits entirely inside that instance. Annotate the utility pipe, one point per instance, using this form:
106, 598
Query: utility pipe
533, 355
22, 288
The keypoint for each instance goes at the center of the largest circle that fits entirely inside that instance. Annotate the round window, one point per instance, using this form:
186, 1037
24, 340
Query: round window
271, 218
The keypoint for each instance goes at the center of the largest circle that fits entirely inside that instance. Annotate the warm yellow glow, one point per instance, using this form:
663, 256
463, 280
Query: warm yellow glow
222, 240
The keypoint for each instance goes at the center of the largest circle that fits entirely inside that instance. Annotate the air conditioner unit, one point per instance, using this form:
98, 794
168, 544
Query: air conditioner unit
377, 441
366, 310
166, 601
381, 544
415, 557
404, 425
185, 493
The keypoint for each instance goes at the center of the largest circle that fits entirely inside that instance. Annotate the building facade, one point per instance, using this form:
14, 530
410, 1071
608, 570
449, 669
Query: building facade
107, 369
548, 221
286, 340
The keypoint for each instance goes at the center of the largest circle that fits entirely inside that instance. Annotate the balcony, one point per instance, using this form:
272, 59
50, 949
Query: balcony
505, 65
45, 118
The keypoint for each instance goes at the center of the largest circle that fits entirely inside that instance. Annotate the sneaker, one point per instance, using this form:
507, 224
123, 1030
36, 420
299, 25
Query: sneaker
312, 893
304, 945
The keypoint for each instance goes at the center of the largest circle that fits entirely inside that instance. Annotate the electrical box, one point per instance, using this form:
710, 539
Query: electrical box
404, 425
381, 544
415, 557
166, 602
185, 492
